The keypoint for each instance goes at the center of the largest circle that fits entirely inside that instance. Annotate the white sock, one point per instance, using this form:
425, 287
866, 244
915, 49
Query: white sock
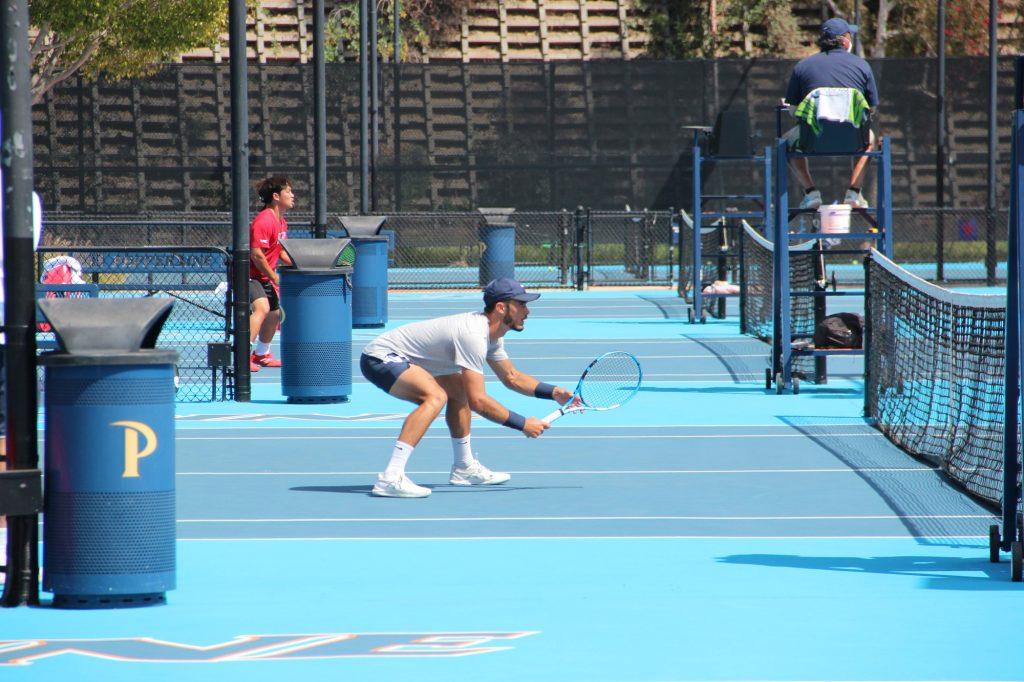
399, 456
261, 348
463, 452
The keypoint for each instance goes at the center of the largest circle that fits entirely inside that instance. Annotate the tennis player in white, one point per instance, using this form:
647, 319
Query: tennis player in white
440, 362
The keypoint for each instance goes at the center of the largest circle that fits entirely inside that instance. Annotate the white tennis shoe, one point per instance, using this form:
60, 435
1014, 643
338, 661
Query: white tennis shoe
398, 487
811, 200
477, 474
855, 199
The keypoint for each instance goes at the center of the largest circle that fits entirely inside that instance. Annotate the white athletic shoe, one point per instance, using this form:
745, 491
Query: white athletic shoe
811, 200
855, 199
398, 487
477, 474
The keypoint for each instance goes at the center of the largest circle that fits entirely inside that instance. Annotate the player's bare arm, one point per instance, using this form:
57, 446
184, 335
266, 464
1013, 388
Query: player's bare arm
489, 408
523, 383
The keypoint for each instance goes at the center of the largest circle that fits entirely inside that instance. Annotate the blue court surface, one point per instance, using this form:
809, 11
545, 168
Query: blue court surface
708, 530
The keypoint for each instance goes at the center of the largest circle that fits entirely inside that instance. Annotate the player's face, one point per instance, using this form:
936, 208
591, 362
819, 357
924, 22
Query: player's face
516, 313
287, 198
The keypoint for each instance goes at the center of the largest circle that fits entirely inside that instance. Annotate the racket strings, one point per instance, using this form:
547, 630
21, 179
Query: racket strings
610, 381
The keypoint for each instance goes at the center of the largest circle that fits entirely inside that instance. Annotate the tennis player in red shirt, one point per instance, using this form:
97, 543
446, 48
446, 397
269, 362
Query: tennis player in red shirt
265, 236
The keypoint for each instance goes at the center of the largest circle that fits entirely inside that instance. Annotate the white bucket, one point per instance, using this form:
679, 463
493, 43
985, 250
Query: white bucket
835, 218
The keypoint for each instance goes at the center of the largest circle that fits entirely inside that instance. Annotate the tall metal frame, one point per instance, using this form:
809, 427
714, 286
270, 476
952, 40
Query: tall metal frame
701, 217
783, 350
1011, 538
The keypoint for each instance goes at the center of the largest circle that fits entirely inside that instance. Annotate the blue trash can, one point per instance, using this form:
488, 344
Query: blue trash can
109, 522
499, 256
370, 282
316, 335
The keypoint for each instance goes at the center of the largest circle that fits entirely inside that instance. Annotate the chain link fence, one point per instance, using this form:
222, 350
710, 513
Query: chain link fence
195, 278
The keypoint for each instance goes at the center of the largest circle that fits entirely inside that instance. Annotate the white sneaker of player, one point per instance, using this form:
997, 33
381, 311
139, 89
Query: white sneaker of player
477, 474
398, 487
855, 199
811, 200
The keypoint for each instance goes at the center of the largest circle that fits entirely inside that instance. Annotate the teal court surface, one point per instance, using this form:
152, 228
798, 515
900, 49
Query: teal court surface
707, 530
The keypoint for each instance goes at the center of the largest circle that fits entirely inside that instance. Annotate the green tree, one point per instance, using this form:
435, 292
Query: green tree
116, 38
421, 20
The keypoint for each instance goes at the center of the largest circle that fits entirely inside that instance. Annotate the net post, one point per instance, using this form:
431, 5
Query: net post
768, 218
781, 336
868, 322
1012, 367
695, 260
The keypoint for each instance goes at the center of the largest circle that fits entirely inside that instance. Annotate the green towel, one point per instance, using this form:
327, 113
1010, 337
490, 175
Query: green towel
807, 110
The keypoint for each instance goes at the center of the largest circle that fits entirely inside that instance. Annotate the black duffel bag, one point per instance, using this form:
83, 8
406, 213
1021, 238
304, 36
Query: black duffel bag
842, 330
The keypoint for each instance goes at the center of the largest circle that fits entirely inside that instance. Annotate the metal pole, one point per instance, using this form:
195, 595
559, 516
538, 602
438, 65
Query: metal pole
856, 22
397, 116
993, 151
22, 584
240, 198
374, 105
319, 123
364, 135
1018, 82
1011, 420
940, 147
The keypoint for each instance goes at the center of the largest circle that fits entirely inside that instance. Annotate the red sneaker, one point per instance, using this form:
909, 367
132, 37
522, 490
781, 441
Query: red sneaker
253, 367
267, 360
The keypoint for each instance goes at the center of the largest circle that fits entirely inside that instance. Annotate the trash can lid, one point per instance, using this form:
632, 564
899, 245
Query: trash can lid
362, 225
497, 216
106, 325
319, 255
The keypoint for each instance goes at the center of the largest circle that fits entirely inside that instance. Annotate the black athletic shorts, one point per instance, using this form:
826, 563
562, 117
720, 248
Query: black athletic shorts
259, 289
383, 373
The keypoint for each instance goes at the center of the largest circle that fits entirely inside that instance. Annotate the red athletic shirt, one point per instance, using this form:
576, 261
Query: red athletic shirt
266, 233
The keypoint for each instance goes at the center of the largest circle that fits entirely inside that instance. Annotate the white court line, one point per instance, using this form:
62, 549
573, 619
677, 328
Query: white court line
700, 436
643, 472
477, 519
555, 538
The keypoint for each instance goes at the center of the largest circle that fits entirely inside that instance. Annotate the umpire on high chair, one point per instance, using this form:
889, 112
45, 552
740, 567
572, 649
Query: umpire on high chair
835, 66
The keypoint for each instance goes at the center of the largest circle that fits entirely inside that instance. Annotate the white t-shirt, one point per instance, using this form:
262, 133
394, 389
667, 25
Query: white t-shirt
444, 345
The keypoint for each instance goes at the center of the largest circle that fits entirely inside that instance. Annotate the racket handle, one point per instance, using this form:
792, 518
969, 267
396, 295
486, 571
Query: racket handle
553, 416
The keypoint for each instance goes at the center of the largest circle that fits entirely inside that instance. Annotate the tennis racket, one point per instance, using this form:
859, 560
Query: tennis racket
607, 382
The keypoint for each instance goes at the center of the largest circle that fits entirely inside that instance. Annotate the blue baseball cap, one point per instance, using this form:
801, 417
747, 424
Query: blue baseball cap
835, 27
505, 289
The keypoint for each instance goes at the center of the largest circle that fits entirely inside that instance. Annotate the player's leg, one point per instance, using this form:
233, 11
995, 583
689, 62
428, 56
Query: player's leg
854, 197
259, 306
811, 197
466, 470
414, 384
261, 354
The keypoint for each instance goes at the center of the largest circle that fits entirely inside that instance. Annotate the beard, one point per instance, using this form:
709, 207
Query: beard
510, 322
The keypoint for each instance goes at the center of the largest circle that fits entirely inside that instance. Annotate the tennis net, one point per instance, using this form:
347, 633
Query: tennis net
934, 374
756, 285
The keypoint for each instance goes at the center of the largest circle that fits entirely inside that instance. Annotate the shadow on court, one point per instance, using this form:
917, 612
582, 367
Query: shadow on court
990, 577
439, 488
751, 388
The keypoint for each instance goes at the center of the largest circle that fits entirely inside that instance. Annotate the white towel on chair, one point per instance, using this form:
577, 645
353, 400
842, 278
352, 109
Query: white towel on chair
834, 104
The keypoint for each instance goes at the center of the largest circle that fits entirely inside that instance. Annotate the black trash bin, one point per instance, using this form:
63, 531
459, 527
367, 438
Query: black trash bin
109, 521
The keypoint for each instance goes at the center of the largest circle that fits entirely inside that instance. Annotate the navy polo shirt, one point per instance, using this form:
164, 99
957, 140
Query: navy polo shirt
833, 69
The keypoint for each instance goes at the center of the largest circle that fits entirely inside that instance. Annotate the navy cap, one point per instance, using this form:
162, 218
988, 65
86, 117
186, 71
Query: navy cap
835, 27
504, 289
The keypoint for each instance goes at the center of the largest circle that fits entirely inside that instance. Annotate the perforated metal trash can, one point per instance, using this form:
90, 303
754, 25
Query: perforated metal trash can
499, 237
370, 276
109, 521
370, 282
316, 335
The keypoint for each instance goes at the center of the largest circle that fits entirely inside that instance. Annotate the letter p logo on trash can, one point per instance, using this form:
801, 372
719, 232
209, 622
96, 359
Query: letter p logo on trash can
132, 453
